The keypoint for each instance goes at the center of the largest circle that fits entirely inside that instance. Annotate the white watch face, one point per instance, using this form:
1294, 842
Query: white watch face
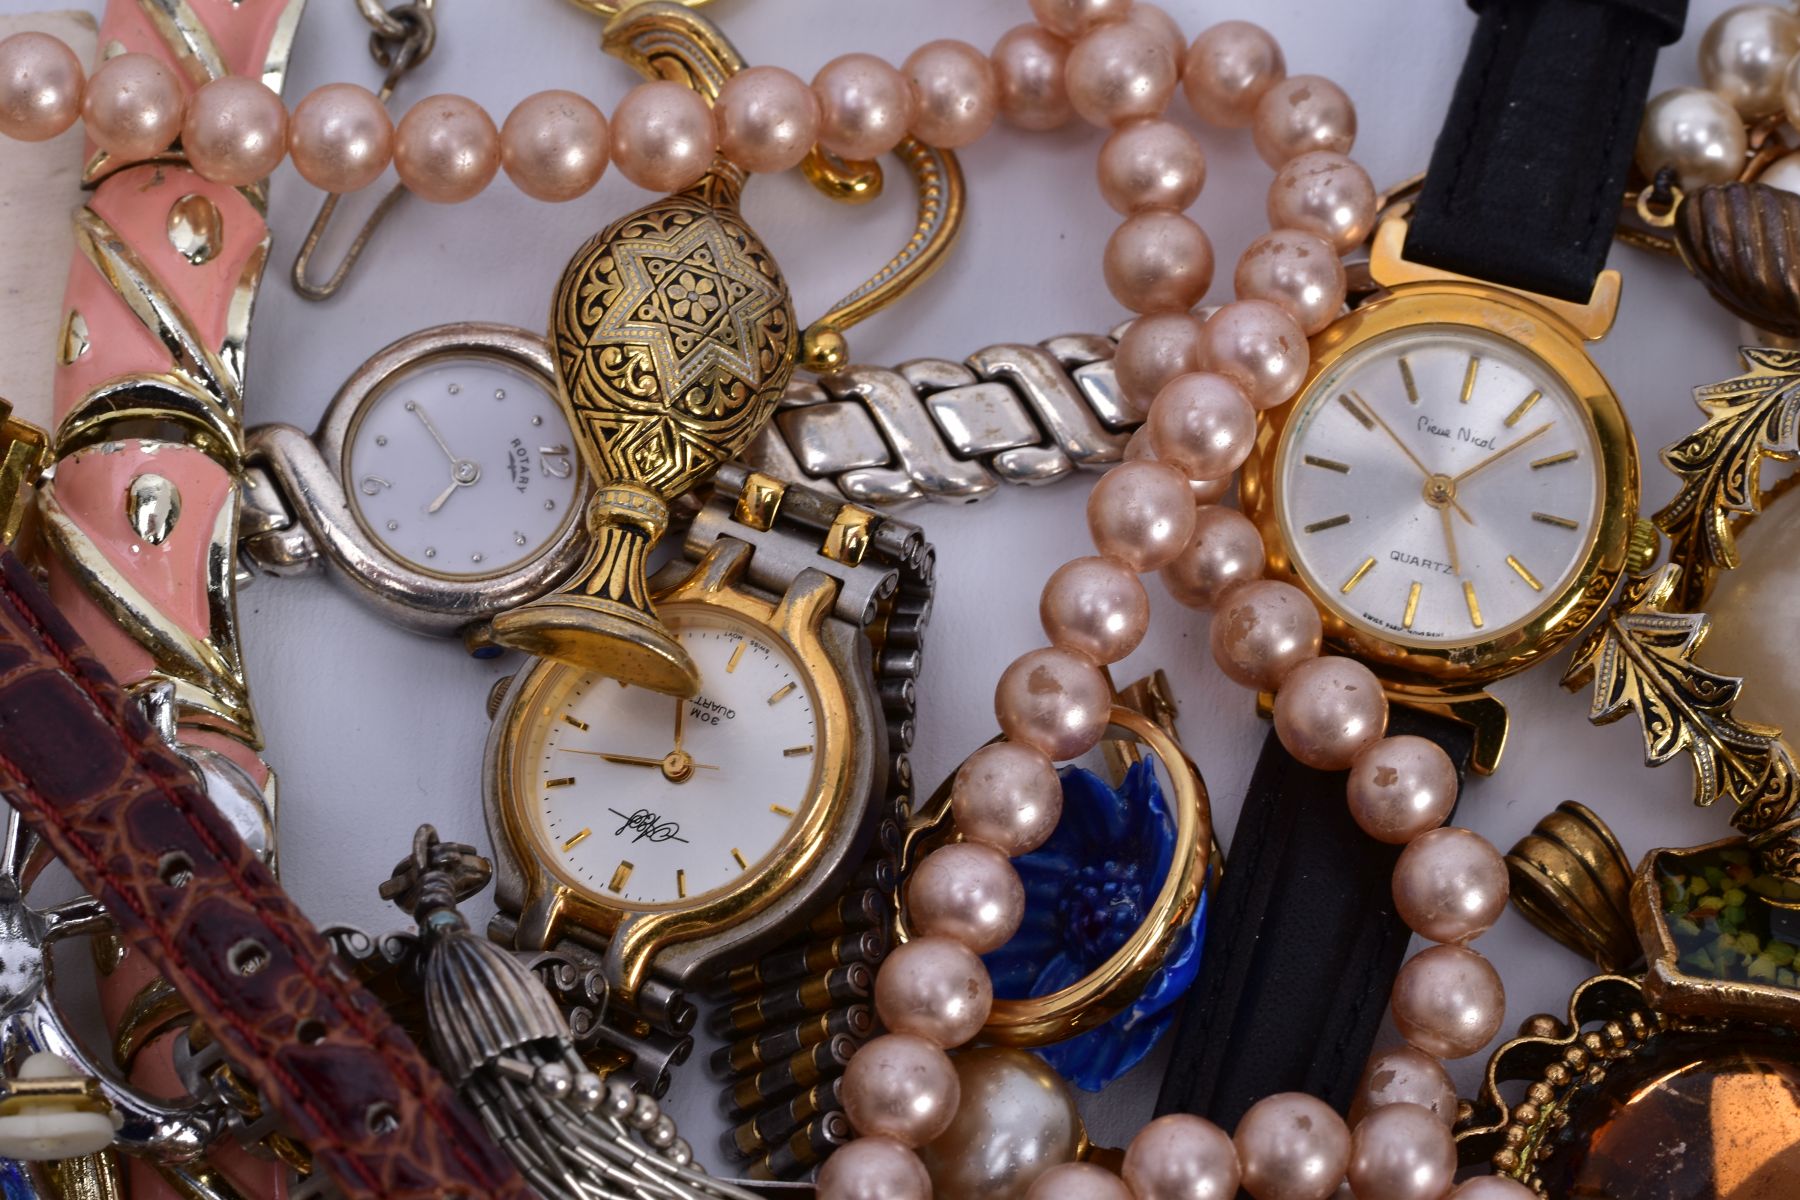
463, 467
643, 799
1439, 486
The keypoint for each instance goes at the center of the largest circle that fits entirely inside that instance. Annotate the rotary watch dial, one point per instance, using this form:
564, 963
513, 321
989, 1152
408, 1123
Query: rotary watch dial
463, 467
1439, 487
640, 799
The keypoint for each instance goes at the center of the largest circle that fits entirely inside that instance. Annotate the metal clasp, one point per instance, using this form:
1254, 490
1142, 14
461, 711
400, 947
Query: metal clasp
400, 39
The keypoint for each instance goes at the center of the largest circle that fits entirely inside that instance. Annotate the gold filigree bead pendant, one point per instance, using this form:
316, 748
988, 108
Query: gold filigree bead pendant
674, 337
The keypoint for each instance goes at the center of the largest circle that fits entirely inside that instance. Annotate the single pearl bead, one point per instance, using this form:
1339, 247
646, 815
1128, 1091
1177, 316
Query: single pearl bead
1328, 710
1783, 173
957, 94
1401, 1152
235, 131
1029, 64
1151, 164
446, 149
40, 87
1141, 514
1120, 72
768, 119
1745, 53
1695, 132
1790, 90
1493, 1187
1159, 23
1401, 786
1225, 551
1054, 700
934, 988
1297, 270
1158, 262
1017, 1121
969, 893
1450, 885
133, 106
1405, 1075
1078, 1181
1202, 425
865, 106
1227, 70
1262, 631
1300, 114
902, 1087
1095, 607
1259, 347
1181, 1157
1325, 194
873, 1168
1448, 1001
1072, 18
340, 138
662, 136
554, 146
1153, 350
1292, 1147
1007, 795
1139, 448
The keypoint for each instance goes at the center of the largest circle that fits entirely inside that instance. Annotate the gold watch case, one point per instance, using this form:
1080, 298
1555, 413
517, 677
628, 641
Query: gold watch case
818, 852
1449, 679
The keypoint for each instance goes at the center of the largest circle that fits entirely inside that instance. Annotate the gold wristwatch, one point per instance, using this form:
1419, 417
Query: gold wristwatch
676, 837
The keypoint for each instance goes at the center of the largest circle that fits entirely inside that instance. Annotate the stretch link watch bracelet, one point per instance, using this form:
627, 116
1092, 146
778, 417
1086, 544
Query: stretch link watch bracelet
85, 769
792, 1019
932, 429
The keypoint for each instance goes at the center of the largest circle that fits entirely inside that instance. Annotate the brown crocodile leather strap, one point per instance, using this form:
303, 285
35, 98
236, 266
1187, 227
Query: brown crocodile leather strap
85, 770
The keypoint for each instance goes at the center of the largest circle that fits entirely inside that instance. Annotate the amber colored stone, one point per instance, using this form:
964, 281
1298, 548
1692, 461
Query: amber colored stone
1693, 1116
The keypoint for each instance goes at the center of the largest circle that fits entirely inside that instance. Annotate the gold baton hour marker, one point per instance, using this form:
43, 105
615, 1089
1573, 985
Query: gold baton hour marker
1357, 576
1412, 605
1518, 414
781, 693
1330, 464
581, 725
739, 855
1356, 411
565, 781
732, 662
1527, 576
1539, 464
1328, 523
1559, 522
621, 875
1468, 388
577, 839
1406, 377
681, 885
796, 752
1474, 604
780, 811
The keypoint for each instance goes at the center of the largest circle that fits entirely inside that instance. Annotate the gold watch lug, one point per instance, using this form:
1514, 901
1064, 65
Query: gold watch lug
1480, 711
1389, 267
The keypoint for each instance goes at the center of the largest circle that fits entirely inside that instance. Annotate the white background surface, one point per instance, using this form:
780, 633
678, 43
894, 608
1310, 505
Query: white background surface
373, 730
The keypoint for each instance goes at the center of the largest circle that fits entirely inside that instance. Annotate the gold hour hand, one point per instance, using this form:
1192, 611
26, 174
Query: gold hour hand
629, 760
1450, 539
1365, 407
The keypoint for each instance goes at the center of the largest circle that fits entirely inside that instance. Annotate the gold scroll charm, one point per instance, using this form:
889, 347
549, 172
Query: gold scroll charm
674, 337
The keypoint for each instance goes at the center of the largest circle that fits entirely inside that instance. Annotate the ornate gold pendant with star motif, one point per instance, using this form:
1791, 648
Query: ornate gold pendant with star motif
674, 337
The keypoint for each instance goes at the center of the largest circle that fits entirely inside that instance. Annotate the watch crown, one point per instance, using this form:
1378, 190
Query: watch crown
1643, 548
496, 694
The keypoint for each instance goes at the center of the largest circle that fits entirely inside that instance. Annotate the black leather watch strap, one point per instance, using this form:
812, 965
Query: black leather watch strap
1526, 179
1302, 944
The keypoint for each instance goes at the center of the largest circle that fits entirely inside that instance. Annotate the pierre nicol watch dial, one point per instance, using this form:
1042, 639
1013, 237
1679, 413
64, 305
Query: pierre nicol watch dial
462, 466
1439, 486
640, 799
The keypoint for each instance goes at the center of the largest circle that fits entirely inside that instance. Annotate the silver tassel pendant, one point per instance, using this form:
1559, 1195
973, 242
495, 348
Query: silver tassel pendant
498, 1034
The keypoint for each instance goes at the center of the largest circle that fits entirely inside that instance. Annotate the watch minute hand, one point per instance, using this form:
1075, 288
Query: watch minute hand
416, 410
1497, 455
1408, 451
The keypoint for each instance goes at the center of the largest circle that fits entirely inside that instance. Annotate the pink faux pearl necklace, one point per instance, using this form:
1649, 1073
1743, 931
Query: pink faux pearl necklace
1116, 64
